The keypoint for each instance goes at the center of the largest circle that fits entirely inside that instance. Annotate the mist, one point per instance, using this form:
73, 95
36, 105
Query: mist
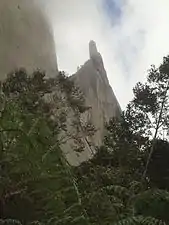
130, 35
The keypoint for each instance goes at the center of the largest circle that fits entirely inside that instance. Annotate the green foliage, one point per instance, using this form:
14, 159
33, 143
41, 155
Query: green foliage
123, 144
113, 185
148, 111
108, 199
9, 222
158, 169
37, 185
140, 220
73, 94
153, 203
133, 139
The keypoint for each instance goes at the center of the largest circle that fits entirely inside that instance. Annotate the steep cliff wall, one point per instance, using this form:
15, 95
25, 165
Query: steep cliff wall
26, 39
93, 81
99, 97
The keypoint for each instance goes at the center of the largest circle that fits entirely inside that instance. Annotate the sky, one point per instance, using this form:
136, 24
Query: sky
131, 35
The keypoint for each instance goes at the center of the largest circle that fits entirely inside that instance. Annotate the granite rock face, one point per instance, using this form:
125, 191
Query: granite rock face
101, 101
93, 81
26, 38
27, 41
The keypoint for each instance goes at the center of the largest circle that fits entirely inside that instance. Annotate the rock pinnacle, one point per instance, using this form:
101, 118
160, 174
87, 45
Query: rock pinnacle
92, 49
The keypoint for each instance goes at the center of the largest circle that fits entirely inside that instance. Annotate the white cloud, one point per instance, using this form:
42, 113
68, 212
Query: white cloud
139, 39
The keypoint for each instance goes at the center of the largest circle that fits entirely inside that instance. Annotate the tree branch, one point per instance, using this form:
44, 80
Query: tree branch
155, 135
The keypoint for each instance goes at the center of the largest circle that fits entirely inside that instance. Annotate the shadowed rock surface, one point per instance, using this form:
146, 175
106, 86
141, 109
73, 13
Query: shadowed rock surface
26, 39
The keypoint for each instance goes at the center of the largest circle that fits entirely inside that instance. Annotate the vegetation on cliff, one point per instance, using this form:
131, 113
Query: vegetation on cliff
126, 182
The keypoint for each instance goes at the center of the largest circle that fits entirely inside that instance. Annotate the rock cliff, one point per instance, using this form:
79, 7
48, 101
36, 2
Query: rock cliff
93, 81
26, 38
101, 101
27, 41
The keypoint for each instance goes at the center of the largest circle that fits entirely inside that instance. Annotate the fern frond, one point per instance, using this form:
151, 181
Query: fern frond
79, 220
117, 190
140, 220
9, 222
155, 194
72, 207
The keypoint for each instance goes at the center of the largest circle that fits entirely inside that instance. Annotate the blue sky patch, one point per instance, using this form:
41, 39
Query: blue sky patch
113, 9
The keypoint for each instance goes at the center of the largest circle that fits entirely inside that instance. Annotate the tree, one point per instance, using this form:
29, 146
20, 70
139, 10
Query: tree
124, 145
37, 185
114, 180
145, 120
158, 169
148, 113
113, 196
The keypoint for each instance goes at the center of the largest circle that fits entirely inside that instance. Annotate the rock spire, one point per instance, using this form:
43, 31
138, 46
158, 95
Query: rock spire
100, 98
92, 49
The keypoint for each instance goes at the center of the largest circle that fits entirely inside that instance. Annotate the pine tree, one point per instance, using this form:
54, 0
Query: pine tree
114, 180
